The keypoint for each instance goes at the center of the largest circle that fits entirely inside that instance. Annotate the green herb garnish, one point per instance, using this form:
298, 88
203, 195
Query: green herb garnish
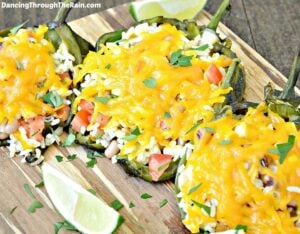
241, 227
103, 100
33, 206
69, 140
178, 59
284, 149
63, 225
94, 154
28, 190
19, 65
71, 157
193, 128
91, 163
133, 135
40, 184
202, 206
163, 203
167, 115
108, 66
210, 130
116, 204
201, 48
195, 188
53, 99
150, 82
131, 205
225, 142
146, 196
59, 158
273, 151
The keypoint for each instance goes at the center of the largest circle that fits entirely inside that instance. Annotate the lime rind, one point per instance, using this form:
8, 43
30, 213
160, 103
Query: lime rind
168, 8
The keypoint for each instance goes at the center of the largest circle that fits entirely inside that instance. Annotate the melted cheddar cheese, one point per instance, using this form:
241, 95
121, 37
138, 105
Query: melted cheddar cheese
182, 92
27, 72
238, 169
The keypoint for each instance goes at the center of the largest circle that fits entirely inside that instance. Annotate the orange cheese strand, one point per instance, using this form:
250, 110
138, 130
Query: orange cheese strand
183, 92
27, 72
228, 173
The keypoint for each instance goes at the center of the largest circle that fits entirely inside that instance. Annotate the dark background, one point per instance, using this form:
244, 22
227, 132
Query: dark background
271, 27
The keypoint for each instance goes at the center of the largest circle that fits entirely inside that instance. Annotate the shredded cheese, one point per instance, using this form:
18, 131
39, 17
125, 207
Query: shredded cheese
181, 91
27, 72
245, 177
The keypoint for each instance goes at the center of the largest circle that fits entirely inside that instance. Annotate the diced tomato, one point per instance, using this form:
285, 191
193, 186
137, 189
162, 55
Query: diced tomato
102, 120
34, 127
82, 118
87, 106
64, 75
63, 113
213, 74
158, 164
163, 125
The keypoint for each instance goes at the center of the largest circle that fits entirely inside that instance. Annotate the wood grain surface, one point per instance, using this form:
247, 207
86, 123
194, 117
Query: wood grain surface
107, 179
271, 27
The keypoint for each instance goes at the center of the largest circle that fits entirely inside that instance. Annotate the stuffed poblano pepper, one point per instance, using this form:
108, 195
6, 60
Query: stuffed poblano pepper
243, 175
146, 89
36, 70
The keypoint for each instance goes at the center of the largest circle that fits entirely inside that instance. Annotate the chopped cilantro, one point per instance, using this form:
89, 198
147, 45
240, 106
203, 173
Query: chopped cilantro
116, 204
71, 157
133, 135
28, 190
241, 227
202, 206
201, 48
53, 99
167, 115
210, 130
146, 196
94, 154
70, 140
63, 225
19, 65
225, 142
59, 158
33, 206
40, 184
150, 82
163, 203
103, 100
194, 188
108, 66
178, 59
131, 205
91, 163
283, 149
193, 128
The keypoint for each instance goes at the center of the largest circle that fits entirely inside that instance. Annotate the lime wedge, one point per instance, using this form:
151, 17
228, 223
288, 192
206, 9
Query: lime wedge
178, 9
81, 208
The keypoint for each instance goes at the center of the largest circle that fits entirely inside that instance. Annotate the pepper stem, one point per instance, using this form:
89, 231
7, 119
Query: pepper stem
64, 11
288, 91
213, 24
226, 83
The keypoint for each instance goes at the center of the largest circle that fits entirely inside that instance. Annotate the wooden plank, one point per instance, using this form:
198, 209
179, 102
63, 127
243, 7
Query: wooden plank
109, 180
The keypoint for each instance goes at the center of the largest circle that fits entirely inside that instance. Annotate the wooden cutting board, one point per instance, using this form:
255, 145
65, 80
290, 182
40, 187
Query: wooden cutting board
107, 179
